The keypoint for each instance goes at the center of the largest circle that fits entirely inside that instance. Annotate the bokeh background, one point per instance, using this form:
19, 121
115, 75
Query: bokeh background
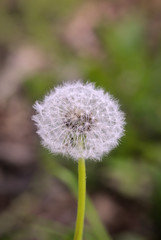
117, 45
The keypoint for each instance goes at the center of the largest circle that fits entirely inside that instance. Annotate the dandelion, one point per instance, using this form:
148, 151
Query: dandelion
83, 122
79, 120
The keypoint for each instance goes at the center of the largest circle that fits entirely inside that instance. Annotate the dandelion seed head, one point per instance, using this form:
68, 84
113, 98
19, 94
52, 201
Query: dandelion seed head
79, 120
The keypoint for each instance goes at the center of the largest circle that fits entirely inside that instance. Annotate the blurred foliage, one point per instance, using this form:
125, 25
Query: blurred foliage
129, 68
70, 179
36, 85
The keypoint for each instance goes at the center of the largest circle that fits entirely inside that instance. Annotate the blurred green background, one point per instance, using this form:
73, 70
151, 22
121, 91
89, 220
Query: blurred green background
117, 45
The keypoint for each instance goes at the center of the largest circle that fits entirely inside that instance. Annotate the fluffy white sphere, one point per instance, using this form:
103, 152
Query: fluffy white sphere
79, 120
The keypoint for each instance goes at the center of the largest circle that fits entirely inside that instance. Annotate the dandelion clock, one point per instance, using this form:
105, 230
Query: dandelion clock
83, 122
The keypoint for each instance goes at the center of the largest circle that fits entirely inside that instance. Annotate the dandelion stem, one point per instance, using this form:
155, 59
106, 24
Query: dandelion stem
81, 199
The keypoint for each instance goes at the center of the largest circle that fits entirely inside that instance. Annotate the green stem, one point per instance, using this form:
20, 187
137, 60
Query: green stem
81, 199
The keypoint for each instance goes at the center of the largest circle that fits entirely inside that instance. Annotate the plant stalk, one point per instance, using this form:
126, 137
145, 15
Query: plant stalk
81, 200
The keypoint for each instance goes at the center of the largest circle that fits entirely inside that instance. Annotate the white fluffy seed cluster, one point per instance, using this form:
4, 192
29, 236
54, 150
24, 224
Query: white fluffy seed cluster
79, 120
